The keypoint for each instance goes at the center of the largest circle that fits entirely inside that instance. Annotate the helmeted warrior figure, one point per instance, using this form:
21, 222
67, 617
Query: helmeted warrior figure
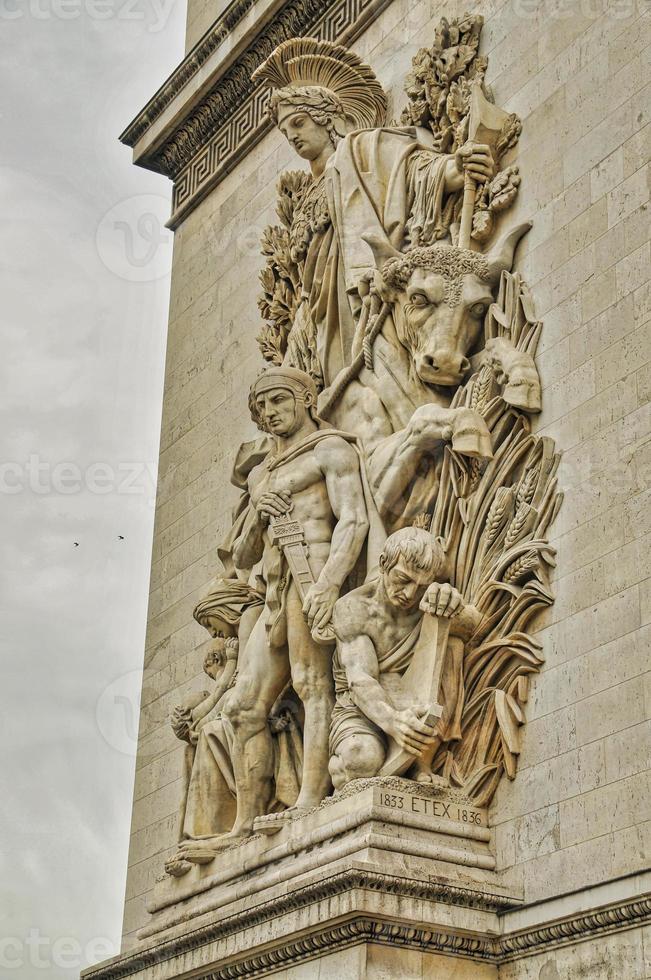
312, 480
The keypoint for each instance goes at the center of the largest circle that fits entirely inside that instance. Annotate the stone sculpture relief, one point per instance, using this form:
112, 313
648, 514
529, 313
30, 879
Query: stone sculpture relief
379, 628
208, 805
389, 550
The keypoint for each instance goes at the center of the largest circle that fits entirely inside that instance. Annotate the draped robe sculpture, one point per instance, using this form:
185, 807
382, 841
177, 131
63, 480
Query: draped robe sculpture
375, 180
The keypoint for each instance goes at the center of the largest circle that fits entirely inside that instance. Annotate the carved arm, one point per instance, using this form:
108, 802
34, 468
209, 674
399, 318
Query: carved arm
249, 546
394, 465
359, 659
339, 464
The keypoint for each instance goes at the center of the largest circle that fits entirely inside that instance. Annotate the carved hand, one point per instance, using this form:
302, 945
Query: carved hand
181, 721
517, 371
273, 504
476, 160
410, 731
319, 603
428, 427
441, 599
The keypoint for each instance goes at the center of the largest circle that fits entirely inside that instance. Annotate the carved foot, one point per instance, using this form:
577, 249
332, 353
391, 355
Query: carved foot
204, 851
271, 823
197, 853
422, 773
427, 778
424, 776
177, 866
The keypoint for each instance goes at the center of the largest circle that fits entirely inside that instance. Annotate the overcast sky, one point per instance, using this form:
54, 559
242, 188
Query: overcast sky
85, 282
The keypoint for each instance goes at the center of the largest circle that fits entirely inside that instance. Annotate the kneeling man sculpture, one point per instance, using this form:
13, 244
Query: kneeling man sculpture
378, 628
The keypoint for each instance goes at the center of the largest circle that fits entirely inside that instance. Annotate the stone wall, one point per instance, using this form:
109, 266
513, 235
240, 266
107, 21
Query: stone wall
577, 813
621, 955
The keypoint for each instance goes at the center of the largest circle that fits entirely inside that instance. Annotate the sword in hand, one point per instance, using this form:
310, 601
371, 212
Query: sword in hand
289, 536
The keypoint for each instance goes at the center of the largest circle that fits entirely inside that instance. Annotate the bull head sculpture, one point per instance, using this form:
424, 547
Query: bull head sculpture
440, 295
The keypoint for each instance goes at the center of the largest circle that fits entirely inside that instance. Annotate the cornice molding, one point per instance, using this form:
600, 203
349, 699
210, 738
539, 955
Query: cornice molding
623, 915
336, 884
369, 929
186, 71
365, 927
209, 137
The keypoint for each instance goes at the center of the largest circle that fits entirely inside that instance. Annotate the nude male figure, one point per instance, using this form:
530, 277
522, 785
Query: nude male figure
314, 475
377, 627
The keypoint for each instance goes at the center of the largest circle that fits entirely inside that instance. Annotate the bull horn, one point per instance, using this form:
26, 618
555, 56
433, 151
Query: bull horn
382, 249
500, 258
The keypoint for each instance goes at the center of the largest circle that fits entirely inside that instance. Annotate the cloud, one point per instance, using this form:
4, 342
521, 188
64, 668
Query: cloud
83, 354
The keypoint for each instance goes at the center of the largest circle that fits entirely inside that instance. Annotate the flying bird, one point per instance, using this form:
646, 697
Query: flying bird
121, 537
76, 544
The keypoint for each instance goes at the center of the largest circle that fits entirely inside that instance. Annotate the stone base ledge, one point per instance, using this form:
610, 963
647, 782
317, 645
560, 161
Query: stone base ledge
426, 832
363, 917
387, 863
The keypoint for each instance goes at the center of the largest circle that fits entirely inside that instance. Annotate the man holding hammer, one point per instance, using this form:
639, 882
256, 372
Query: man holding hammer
386, 715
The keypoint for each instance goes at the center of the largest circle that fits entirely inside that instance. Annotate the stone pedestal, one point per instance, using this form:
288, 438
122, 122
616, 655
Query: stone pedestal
390, 880
387, 865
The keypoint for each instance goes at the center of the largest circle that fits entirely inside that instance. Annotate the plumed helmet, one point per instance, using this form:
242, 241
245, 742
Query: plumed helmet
347, 85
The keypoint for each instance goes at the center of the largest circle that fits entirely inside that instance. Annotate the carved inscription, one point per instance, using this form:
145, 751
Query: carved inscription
441, 809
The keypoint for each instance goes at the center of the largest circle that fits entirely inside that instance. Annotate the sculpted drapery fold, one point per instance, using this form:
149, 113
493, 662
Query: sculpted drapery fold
391, 537
385, 182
